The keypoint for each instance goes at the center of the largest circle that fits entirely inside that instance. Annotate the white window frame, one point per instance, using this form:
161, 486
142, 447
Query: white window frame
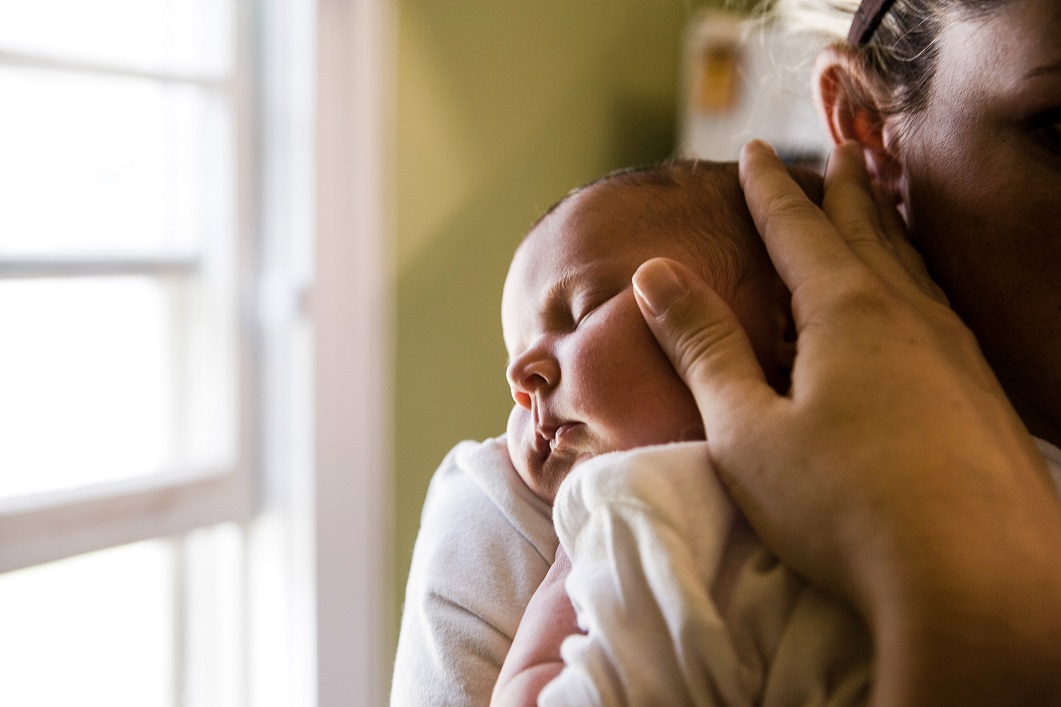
49, 526
352, 302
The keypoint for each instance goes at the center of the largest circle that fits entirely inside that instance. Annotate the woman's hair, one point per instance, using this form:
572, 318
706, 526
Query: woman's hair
903, 51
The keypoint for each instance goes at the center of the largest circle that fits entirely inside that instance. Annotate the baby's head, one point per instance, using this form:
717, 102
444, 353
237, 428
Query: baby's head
585, 370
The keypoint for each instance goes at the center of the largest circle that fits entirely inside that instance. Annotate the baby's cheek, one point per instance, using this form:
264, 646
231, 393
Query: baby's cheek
517, 422
516, 438
624, 351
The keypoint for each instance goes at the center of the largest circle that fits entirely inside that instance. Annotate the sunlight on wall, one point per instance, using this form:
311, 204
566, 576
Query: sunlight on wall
439, 145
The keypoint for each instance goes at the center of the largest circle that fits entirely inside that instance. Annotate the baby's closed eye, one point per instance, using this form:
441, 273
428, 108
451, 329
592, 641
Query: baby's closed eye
589, 302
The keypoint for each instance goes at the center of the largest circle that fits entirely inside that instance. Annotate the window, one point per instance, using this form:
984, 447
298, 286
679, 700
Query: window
139, 544
120, 274
193, 488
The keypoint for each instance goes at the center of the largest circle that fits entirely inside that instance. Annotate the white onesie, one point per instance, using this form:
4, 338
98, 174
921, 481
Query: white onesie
485, 544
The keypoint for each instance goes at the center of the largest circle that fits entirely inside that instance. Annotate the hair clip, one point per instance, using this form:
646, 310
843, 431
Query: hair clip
867, 18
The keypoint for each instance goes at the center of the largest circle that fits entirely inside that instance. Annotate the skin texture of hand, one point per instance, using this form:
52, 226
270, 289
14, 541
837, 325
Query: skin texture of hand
895, 473
534, 658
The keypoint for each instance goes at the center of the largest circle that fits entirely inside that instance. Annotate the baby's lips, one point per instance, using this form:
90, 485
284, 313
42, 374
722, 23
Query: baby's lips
560, 433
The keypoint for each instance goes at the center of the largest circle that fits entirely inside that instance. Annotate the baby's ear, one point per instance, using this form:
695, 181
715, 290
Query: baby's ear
851, 105
782, 342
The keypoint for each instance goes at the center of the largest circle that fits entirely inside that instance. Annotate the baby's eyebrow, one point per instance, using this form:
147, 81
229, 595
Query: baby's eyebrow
560, 288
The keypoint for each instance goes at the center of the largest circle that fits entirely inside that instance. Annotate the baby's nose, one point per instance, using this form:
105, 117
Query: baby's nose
522, 399
533, 371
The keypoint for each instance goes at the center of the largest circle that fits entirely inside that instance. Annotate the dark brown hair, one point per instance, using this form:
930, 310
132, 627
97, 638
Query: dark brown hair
903, 52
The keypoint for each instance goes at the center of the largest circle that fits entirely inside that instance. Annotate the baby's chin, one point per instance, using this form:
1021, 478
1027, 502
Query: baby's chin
528, 461
542, 479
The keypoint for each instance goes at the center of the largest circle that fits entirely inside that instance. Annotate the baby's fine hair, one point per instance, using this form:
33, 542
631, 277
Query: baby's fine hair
700, 205
903, 52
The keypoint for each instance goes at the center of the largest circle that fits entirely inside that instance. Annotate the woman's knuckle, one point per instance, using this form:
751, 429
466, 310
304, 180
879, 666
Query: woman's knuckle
785, 208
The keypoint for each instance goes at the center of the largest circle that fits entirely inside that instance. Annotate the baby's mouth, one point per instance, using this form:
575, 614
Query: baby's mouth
561, 434
541, 447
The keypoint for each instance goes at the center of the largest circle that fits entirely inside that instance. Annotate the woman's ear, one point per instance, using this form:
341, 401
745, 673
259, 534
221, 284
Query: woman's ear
850, 105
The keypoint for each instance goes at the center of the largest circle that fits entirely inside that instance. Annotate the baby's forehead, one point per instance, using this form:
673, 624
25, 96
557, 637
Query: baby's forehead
632, 210
640, 210
589, 225
693, 210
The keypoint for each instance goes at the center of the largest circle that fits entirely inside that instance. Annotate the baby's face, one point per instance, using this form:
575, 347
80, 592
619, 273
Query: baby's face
586, 373
585, 370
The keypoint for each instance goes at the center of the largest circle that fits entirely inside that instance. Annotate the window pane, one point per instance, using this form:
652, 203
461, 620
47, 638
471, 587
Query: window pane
175, 35
89, 378
92, 630
104, 164
214, 617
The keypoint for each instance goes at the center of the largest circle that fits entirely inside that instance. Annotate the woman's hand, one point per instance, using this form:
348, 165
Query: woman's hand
534, 658
895, 473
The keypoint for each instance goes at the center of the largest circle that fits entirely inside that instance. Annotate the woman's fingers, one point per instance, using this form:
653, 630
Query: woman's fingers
857, 224
869, 222
894, 232
705, 343
850, 204
802, 242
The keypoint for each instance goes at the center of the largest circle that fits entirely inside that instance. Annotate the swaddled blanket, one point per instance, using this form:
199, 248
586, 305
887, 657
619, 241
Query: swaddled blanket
683, 604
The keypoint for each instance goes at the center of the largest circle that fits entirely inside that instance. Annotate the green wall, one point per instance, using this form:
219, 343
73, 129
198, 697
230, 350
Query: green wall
502, 107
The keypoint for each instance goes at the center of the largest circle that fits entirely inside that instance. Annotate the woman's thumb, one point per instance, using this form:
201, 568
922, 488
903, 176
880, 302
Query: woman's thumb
703, 339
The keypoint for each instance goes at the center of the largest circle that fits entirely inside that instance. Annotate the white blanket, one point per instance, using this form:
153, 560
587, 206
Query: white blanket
683, 604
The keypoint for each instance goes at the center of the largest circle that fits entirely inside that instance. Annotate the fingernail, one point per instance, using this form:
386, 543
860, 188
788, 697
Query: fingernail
761, 145
658, 285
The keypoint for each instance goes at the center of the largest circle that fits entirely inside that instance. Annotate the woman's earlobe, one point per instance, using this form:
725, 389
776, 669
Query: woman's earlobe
886, 167
849, 104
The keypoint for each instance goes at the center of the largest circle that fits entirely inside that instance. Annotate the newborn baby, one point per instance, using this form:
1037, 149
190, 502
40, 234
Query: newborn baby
677, 601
